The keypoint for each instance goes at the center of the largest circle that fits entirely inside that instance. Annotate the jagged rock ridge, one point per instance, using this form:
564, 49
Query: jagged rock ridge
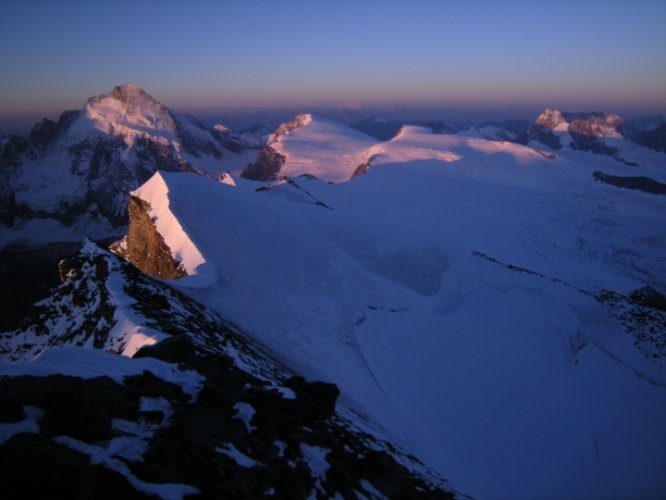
228, 421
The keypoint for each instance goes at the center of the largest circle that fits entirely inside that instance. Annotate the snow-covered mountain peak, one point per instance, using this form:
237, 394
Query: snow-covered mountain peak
76, 172
130, 106
551, 119
309, 144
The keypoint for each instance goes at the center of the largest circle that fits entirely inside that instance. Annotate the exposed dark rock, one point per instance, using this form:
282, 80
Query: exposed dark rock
26, 276
591, 143
642, 315
11, 409
32, 466
649, 297
176, 349
361, 169
153, 386
145, 246
80, 408
318, 397
45, 133
266, 166
639, 183
543, 135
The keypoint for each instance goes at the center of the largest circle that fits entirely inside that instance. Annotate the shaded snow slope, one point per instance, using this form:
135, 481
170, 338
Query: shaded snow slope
455, 293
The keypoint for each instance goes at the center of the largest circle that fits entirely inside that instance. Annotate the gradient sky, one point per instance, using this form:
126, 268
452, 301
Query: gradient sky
201, 54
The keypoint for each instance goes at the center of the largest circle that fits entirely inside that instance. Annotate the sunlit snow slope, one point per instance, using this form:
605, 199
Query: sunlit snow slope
455, 293
315, 146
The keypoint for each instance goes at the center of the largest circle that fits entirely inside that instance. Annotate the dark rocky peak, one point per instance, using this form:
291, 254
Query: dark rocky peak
45, 133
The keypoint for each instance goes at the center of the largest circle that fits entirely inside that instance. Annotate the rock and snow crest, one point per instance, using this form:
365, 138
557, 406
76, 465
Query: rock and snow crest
156, 193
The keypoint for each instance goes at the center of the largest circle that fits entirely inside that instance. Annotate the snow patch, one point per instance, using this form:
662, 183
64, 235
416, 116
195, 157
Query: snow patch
29, 424
239, 457
245, 412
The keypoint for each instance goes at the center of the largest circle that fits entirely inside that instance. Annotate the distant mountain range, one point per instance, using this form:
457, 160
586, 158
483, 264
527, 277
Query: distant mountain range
321, 313
68, 179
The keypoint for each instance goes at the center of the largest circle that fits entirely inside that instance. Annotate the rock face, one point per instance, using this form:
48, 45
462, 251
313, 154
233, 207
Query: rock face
226, 422
269, 162
581, 131
77, 171
267, 165
639, 183
144, 246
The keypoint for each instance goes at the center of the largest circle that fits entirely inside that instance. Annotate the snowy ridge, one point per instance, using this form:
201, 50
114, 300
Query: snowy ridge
315, 146
155, 191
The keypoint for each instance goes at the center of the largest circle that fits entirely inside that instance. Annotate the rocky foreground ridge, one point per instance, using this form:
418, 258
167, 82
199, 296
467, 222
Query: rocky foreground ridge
198, 409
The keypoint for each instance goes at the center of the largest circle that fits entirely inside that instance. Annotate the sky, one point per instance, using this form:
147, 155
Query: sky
251, 54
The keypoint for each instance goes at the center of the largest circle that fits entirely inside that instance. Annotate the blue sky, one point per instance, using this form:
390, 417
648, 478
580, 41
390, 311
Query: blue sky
251, 54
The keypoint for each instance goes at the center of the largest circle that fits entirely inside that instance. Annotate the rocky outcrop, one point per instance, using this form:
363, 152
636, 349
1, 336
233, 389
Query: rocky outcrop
596, 125
639, 183
144, 246
642, 314
269, 162
267, 165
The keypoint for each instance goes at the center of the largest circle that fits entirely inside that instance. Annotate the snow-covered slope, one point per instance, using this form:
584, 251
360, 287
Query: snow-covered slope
473, 297
311, 145
70, 179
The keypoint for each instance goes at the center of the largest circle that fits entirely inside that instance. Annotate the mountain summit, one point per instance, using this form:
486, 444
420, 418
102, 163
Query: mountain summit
69, 179
131, 105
